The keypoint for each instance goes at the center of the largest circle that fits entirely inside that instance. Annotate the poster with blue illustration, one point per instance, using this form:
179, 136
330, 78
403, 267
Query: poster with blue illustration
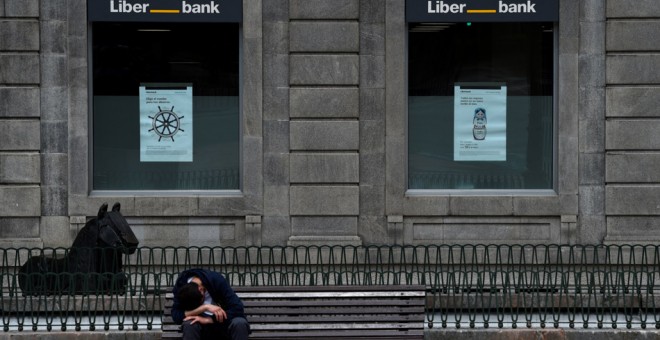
166, 123
479, 122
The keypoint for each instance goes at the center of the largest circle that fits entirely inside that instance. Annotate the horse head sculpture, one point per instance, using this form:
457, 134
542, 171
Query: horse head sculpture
93, 264
114, 231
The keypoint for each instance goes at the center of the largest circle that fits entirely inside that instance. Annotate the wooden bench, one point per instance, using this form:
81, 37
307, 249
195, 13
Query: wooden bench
339, 312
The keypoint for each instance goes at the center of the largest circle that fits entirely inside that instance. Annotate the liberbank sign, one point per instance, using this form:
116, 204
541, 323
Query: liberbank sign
482, 10
165, 10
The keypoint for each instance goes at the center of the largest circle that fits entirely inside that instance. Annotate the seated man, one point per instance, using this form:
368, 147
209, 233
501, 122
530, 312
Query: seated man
207, 307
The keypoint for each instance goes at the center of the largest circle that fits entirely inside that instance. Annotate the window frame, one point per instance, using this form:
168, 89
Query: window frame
166, 192
562, 200
536, 192
231, 203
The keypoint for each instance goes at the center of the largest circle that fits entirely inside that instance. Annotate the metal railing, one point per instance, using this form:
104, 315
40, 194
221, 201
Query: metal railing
468, 285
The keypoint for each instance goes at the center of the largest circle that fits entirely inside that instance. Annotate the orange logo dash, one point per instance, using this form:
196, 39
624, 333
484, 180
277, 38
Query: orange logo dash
165, 11
481, 11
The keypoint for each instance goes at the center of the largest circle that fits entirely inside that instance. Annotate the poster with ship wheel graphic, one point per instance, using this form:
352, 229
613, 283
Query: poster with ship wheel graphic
166, 123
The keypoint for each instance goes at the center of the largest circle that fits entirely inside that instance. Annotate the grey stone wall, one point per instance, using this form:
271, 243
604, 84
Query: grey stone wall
20, 113
591, 108
324, 68
632, 194
372, 219
324, 135
276, 222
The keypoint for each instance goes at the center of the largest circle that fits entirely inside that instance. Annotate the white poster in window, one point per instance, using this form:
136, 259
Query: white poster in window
166, 123
479, 122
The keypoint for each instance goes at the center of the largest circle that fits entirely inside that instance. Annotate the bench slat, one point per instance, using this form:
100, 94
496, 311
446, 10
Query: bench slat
377, 312
250, 303
338, 326
341, 334
334, 304
310, 295
345, 288
315, 308
172, 327
334, 319
322, 318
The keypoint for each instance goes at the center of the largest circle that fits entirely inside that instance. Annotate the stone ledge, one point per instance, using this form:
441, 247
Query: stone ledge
100, 335
429, 334
326, 240
533, 334
16, 243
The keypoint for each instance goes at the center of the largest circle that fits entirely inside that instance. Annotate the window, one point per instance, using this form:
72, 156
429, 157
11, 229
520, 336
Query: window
165, 103
480, 105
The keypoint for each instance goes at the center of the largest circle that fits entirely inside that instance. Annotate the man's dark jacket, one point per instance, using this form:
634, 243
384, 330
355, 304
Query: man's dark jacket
218, 288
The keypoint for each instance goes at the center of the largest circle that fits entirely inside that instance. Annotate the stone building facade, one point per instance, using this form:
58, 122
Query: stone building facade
323, 139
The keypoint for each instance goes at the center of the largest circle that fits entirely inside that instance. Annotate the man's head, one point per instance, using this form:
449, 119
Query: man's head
191, 295
199, 283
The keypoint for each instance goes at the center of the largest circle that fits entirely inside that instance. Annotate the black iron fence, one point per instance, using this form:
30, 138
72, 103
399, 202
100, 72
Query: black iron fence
605, 286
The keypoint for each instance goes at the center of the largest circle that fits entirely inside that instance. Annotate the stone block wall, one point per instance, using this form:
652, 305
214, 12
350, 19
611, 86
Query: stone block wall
632, 143
324, 164
20, 122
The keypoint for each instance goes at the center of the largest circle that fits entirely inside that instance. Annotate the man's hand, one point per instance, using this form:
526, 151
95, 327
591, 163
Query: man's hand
218, 312
198, 319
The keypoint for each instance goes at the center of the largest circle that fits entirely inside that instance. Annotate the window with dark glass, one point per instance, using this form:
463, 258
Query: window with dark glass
500, 76
183, 79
